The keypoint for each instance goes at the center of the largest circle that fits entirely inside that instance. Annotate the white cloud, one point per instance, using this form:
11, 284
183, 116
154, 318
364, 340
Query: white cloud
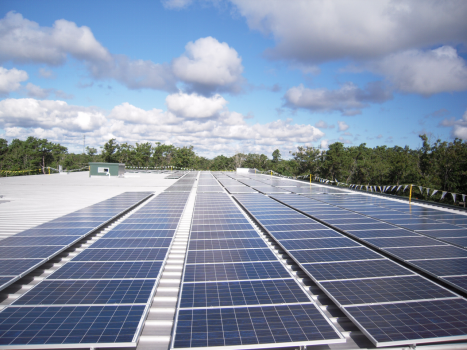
46, 73
322, 124
348, 99
176, 4
425, 72
194, 105
38, 92
342, 126
224, 132
208, 65
459, 127
320, 30
31, 113
324, 144
10, 79
24, 41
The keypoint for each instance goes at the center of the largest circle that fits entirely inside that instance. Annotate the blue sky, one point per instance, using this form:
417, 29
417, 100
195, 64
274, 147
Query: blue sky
233, 76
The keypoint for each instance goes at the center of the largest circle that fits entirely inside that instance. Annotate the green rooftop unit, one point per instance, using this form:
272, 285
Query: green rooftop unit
104, 169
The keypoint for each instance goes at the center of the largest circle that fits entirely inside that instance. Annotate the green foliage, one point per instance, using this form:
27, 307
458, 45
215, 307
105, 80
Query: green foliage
437, 165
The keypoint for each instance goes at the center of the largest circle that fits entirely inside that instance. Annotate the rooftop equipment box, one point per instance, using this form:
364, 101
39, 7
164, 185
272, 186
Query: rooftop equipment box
104, 169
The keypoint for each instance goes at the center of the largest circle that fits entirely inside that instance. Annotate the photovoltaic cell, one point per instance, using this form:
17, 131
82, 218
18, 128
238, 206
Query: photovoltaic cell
241, 293
88, 292
338, 254
35, 241
318, 243
223, 256
53, 232
379, 290
251, 325
226, 244
443, 267
237, 271
140, 234
459, 281
414, 253
132, 243
133, 254
403, 241
58, 325
28, 252
98, 270
384, 233
424, 321
355, 269
327, 233
17, 266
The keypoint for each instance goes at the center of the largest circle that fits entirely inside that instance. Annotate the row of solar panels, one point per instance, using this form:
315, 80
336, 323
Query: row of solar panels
236, 292
102, 295
27, 250
403, 238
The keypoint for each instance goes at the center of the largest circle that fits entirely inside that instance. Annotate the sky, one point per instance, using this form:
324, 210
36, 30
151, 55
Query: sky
234, 76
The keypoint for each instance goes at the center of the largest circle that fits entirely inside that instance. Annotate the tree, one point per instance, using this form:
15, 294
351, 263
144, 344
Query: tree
308, 160
276, 156
108, 151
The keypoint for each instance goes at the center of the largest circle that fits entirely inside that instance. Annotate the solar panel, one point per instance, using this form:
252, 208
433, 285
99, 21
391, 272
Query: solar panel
119, 254
132, 243
442, 267
235, 271
216, 294
300, 244
227, 244
257, 325
458, 281
379, 290
415, 253
17, 266
58, 325
338, 254
355, 269
420, 322
222, 256
403, 241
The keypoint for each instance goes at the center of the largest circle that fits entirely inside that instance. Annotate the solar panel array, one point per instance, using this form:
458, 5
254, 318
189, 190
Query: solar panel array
403, 234
392, 305
185, 184
100, 297
235, 291
25, 251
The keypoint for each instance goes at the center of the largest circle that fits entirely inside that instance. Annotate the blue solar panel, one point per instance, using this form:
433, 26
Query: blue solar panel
59, 325
375, 226
133, 254
28, 252
293, 227
205, 244
252, 325
98, 270
355, 269
462, 242
416, 322
220, 227
338, 254
326, 233
5, 280
420, 227
17, 266
414, 253
446, 233
140, 233
35, 241
132, 243
236, 271
318, 243
88, 292
241, 293
69, 224
220, 256
443, 267
161, 226
403, 241
224, 234
379, 290
384, 233
459, 281
53, 232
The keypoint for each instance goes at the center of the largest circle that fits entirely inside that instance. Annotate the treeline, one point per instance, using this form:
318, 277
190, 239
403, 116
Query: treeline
437, 165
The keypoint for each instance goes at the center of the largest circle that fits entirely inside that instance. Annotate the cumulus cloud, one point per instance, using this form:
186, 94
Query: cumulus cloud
10, 80
424, 72
324, 144
323, 125
459, 127
194, 105
349, 99
24, 41
32, 113
314, 31
342, 126
223, 132
208, 65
